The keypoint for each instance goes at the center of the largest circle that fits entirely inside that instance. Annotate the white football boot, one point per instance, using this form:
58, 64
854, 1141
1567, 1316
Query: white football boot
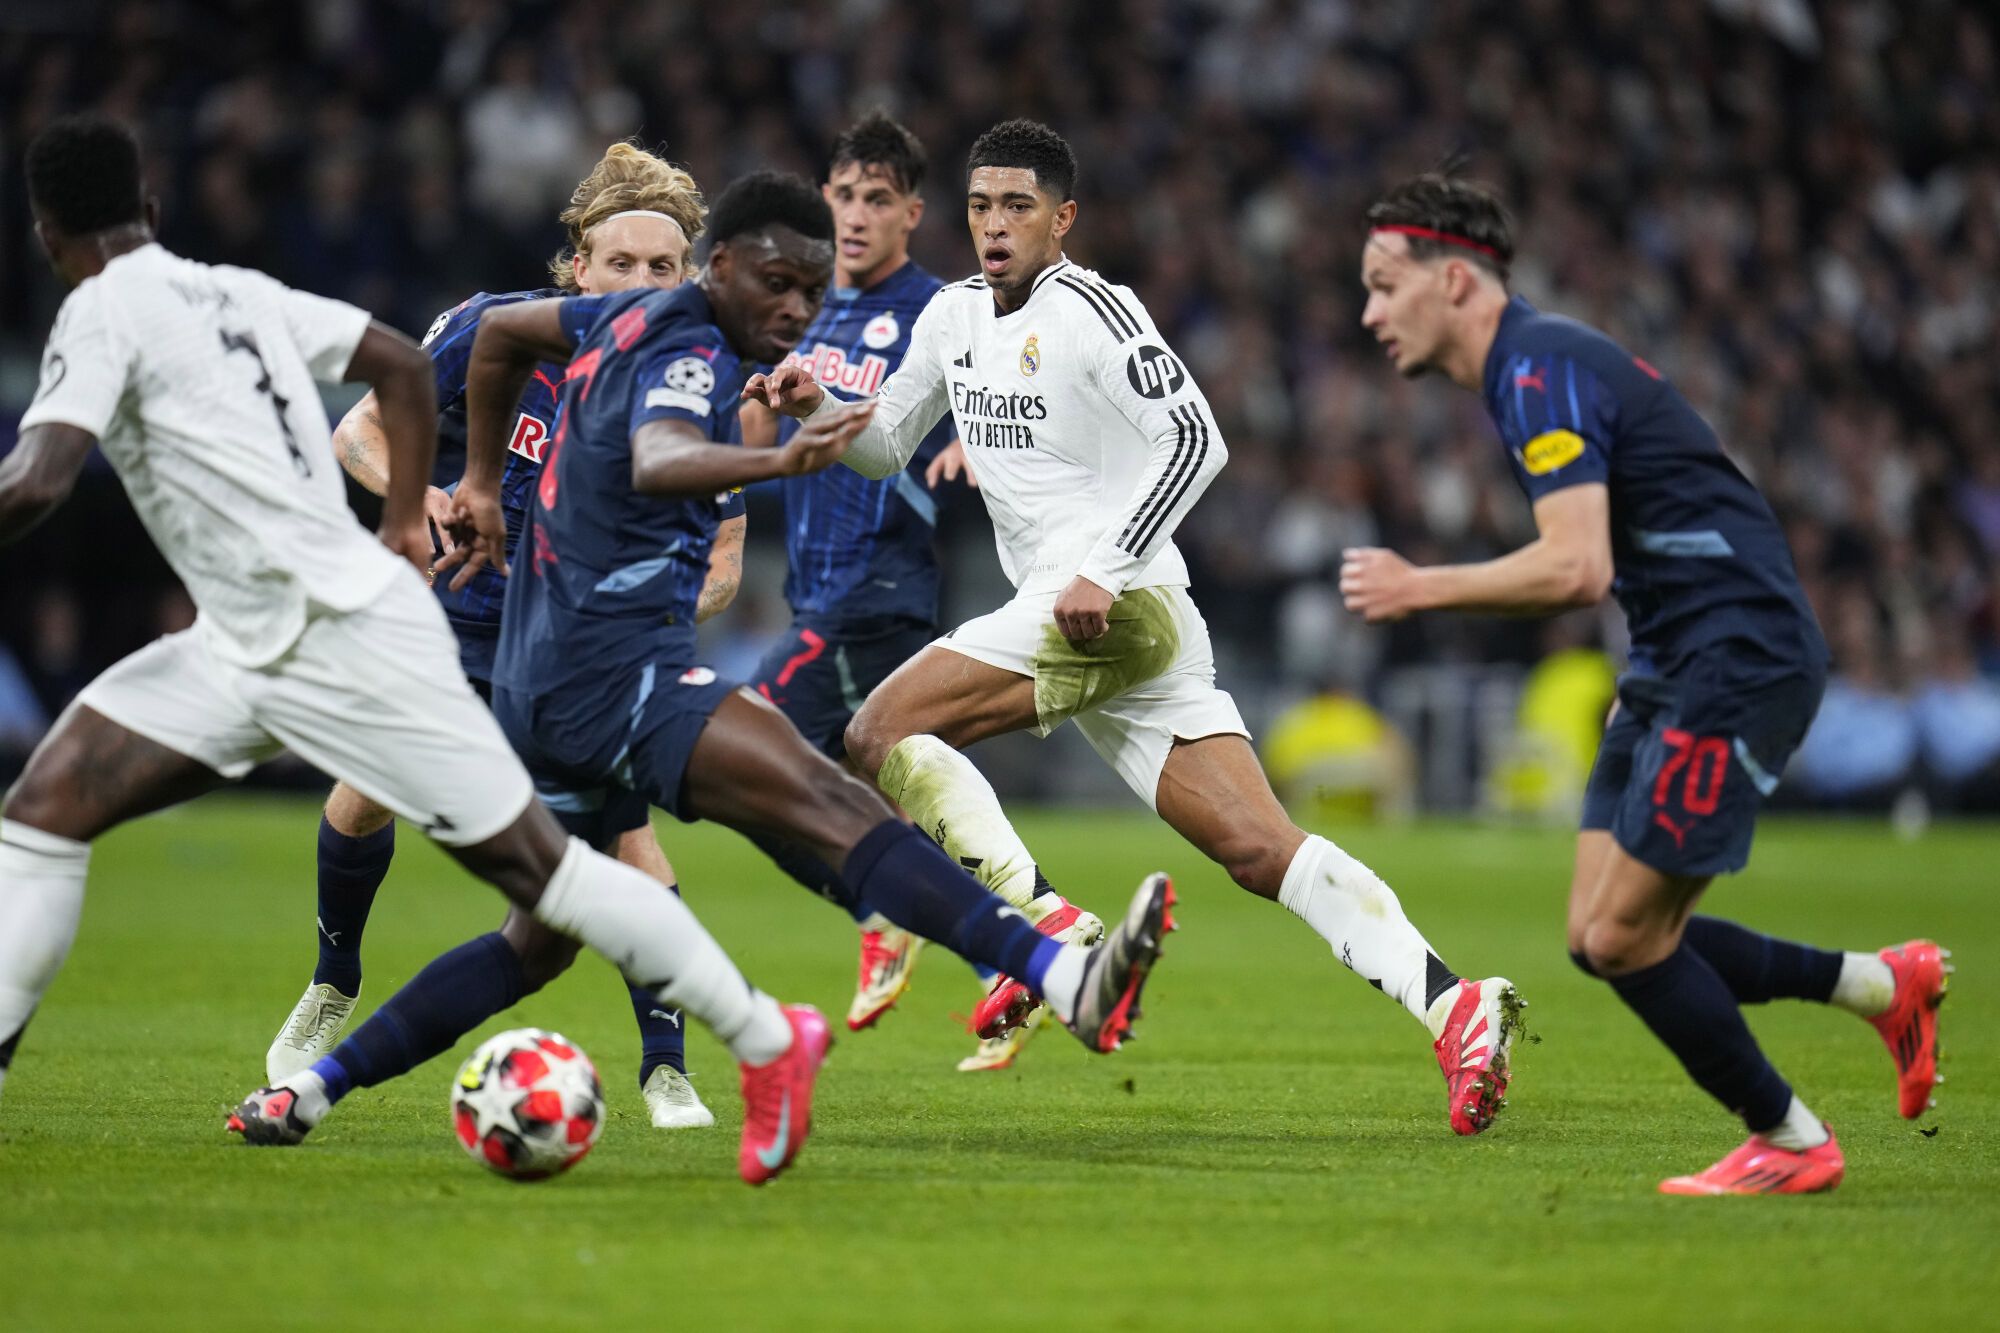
673, 1102
313, 1029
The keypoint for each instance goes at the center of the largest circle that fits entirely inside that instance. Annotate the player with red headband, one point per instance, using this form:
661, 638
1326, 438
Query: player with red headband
1633, 496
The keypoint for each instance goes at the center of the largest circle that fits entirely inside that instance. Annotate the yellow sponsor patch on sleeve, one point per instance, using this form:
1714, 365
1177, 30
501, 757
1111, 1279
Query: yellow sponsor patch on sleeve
1551, 450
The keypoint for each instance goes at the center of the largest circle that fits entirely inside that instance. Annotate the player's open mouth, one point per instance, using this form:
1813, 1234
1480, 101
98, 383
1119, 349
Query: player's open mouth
853, 246
1389, 348
995, 259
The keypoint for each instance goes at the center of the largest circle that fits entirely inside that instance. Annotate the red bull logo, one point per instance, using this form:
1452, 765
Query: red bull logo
530, 438
830, 366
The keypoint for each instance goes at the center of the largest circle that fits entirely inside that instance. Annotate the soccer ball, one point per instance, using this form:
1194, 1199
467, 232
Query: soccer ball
527, 1104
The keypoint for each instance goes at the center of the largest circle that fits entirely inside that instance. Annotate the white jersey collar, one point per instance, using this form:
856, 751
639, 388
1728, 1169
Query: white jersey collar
1062, 265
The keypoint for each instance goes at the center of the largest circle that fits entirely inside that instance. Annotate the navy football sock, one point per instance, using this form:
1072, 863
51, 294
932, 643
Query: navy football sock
1757, 968
1691, 1011
350, 870
454, 994
662, 1041
909, 879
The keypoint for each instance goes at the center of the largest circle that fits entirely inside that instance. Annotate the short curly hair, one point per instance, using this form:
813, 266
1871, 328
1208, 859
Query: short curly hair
1030, 144
626, 177
83, 175
771, 199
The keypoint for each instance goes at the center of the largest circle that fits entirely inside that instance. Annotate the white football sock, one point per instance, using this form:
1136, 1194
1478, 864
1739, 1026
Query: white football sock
1349, 907
951, 802
652, 937
41, 902
1866, 985
1799, 1130
1063, 980
309, 1100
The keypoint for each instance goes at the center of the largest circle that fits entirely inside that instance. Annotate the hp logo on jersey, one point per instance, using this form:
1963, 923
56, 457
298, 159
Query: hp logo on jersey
1154, 373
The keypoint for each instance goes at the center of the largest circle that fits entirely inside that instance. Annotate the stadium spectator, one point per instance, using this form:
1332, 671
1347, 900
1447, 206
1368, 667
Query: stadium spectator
1793, 209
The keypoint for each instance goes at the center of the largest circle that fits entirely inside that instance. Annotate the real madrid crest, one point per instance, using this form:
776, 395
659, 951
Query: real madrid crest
1031, 356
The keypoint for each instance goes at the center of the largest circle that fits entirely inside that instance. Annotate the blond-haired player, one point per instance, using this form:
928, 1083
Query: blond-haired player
632, 222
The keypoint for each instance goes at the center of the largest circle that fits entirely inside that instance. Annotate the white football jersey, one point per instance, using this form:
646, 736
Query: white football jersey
199, 383
1090, 439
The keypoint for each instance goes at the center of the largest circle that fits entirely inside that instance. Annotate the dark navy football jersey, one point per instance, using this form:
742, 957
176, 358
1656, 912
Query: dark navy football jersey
861, 550
607, 577
475, 609
1700, 559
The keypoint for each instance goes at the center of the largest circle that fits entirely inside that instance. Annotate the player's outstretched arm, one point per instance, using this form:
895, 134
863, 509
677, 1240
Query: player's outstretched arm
39, 475
1567, 566
913, 400
671, 457
406, 392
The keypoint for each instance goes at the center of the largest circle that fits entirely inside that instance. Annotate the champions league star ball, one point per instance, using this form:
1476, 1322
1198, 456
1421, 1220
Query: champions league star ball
527, 1104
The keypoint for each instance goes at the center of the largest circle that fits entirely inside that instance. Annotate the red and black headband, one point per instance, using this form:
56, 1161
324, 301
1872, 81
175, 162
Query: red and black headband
1441, 237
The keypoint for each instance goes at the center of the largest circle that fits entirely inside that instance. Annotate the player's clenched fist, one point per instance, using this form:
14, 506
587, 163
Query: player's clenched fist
1083, 611
819, 443
478, 535
788, 389
1377, 585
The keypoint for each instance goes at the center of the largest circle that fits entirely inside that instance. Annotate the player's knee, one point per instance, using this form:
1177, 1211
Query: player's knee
869, 738
353, 815
1613, 947
544, 954
44, 798
27, 802
520, 859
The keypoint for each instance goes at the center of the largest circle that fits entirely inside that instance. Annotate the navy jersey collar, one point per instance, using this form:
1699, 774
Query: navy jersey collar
1517, 312
907, 268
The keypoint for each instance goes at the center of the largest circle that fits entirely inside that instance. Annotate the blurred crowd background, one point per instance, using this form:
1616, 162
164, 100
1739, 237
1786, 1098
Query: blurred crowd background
1792, 208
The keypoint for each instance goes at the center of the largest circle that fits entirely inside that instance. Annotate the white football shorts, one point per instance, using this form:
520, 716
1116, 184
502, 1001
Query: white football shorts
374, 697
1148, 682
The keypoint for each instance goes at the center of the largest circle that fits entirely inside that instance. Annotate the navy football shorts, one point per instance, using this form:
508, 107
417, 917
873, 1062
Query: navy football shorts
817, 675
1688, 760
602, 751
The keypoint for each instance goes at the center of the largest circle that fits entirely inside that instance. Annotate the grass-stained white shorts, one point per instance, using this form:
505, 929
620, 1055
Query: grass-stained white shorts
1149, 681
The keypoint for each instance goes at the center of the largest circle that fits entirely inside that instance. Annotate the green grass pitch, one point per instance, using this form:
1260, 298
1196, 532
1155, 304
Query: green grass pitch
1272, 1152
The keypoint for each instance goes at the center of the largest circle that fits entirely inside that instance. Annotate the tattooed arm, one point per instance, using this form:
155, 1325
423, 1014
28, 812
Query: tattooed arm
361, 443
725, 569
362, 446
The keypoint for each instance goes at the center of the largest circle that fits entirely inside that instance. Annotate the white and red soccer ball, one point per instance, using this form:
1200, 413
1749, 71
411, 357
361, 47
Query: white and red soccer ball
527, 1104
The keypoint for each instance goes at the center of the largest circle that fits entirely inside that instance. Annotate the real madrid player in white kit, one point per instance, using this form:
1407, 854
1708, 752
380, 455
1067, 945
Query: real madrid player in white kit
1092, 442
312, 636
